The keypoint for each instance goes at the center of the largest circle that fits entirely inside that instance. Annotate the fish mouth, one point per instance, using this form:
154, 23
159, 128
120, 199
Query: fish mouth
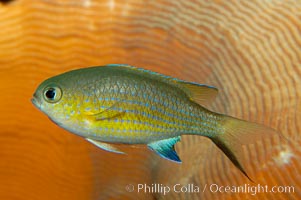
36, 102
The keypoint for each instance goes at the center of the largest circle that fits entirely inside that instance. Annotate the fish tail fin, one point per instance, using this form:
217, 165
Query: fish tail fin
236, 134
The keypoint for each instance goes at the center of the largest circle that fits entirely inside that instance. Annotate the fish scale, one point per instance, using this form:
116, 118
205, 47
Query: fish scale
124, 104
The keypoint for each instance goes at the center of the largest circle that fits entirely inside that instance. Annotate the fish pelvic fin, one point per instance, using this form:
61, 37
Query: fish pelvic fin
238, 133
104, 146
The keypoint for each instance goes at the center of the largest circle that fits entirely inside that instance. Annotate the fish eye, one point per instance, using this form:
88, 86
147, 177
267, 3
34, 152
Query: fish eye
52, 94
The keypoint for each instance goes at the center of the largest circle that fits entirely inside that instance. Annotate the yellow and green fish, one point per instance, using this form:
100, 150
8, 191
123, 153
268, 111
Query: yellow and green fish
124, 104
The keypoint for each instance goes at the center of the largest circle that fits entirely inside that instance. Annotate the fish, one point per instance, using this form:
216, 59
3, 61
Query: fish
122, 104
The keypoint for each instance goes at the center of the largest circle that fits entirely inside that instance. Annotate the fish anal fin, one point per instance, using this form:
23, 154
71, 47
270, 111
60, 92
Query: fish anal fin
165, 148
199, 93
104, 146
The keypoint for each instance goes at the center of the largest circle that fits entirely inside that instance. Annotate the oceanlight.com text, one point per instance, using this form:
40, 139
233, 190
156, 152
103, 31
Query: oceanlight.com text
251, 189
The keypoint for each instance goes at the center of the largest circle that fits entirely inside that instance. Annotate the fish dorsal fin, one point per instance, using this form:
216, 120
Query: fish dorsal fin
199, 93
109, 113
165, 148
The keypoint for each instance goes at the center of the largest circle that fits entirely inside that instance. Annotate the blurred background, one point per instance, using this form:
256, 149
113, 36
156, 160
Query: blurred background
249, 50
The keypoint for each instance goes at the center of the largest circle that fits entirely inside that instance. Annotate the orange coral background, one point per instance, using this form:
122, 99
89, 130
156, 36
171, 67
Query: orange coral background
250, 50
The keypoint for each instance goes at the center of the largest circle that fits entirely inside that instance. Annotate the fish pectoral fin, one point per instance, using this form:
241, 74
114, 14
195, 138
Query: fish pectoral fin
165, 148
109, 113
201, 94
104, 146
